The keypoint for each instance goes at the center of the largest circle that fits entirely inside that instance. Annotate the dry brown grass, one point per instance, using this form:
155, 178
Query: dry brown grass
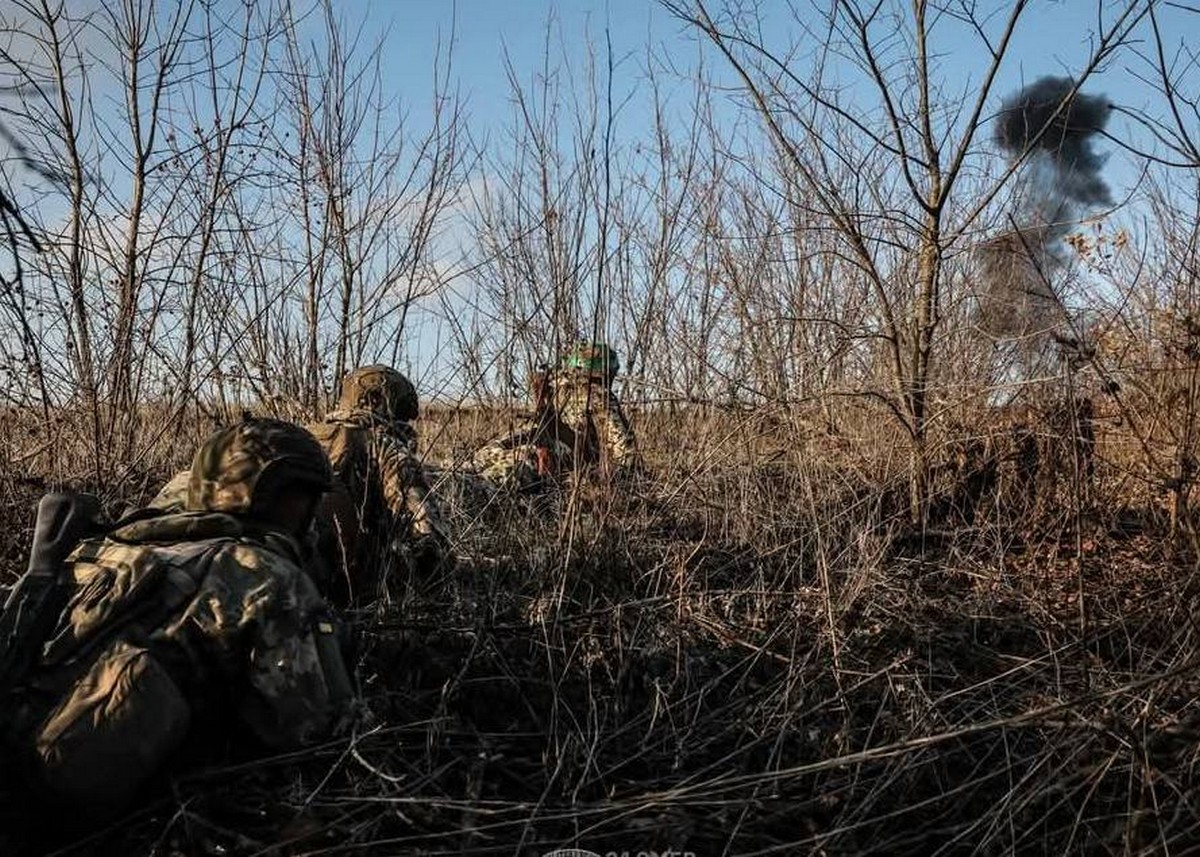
748, 651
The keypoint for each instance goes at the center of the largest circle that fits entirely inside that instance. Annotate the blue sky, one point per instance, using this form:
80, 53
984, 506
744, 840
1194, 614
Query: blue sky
1055, 37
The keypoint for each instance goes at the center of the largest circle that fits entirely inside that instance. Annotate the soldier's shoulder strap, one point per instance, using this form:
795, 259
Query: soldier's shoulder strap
344, 443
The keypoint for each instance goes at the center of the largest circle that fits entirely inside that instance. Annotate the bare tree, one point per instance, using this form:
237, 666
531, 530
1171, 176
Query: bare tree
374, 193
896, 175
176, 140
536, 216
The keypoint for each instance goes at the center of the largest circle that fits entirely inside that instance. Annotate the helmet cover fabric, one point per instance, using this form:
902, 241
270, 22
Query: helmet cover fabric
229, 468
381, 390
596, 358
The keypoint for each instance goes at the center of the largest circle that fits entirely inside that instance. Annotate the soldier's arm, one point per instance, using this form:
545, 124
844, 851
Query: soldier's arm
407, 493
614, 427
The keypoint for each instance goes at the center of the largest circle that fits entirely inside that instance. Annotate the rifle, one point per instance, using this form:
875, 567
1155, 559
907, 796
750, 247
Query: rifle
36, 601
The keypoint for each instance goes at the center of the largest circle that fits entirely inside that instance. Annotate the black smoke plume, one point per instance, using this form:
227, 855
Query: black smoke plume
1053, 131
1057, 129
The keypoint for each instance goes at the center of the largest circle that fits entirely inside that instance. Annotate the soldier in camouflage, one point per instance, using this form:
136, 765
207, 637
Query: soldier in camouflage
381, 509
189, 627
584, 399
539, 448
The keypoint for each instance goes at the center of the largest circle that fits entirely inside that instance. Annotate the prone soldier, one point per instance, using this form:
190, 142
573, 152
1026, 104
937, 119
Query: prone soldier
179, 627
381, 510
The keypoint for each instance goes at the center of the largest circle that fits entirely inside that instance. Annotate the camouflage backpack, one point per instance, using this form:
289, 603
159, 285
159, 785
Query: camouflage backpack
102, 698
107, 701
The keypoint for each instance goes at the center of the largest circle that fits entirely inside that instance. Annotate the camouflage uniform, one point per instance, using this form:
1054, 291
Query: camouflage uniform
172, 497
539, 447
180, 621
584, 399
524, 458
383, 506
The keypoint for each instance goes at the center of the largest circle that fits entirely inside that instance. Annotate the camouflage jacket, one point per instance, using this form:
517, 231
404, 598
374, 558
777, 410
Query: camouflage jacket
377, 462
393, 511
178, 622
172, 497
513, 459
588, 406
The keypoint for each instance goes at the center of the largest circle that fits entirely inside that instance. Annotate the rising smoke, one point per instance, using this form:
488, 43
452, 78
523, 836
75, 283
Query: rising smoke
1050, 129
1057, 129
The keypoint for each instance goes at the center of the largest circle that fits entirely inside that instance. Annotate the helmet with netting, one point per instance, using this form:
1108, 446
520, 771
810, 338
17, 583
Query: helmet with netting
381, 390
596, 358
251, 459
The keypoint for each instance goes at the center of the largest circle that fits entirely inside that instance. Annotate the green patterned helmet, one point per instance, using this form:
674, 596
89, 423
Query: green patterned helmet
381, 390
595, 358
241, 463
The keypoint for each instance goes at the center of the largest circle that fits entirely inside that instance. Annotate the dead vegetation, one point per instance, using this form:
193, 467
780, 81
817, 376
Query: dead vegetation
747, 651
887, 585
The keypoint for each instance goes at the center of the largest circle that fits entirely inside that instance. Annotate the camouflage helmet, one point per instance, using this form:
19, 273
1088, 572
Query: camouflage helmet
381, 390
596, 358
235, 466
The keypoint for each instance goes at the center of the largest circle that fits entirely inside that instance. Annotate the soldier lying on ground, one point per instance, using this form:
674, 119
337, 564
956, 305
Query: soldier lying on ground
538, 450
187, 630
381, 511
